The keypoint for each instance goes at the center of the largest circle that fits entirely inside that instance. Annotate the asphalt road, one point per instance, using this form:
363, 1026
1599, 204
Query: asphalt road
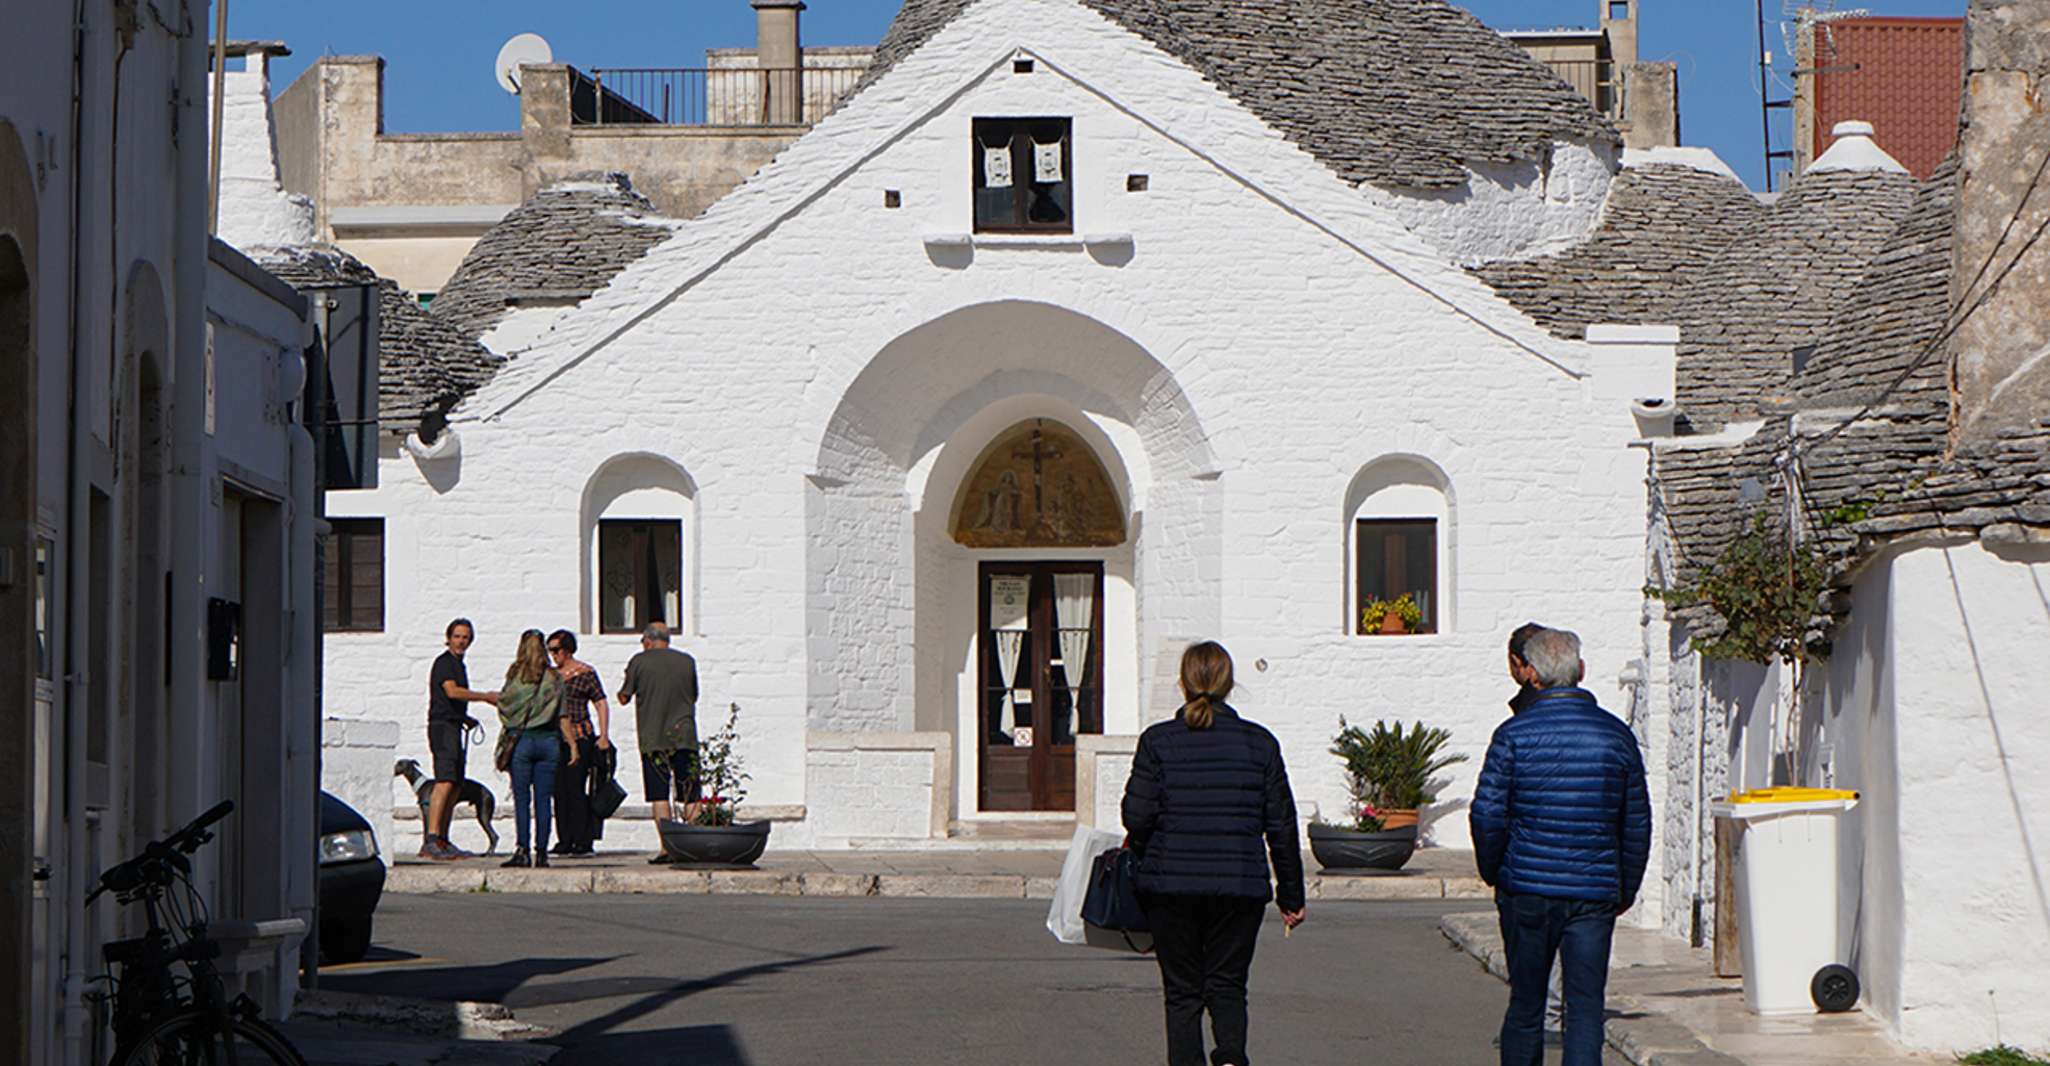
755, 981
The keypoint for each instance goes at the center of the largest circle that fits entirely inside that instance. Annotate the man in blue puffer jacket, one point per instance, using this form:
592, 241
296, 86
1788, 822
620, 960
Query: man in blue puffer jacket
1562, 829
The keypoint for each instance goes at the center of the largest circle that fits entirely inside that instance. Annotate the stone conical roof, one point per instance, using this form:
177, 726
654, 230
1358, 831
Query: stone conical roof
1390, 92
562, 245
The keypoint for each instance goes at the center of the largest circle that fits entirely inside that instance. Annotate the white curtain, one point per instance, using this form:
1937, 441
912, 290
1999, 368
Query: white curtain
1075, 602
1010, 643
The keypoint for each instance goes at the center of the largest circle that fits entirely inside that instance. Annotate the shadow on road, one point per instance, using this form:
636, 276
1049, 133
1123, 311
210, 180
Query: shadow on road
699, 1045
493, 983
600, 1028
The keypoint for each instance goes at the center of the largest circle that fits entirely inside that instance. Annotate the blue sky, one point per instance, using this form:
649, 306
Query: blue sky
438, 53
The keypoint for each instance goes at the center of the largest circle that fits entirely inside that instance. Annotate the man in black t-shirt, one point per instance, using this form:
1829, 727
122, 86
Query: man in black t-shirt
448, 716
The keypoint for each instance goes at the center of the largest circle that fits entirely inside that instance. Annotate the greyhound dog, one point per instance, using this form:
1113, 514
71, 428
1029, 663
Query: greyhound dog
471, 792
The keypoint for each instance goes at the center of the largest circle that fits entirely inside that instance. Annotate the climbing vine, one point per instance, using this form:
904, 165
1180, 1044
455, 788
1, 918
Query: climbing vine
1765, 586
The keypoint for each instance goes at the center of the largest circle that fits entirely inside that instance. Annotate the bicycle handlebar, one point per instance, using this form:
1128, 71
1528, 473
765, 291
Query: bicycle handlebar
160, 855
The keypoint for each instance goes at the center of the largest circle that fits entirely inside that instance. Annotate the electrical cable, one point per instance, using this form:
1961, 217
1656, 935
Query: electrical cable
1956, 321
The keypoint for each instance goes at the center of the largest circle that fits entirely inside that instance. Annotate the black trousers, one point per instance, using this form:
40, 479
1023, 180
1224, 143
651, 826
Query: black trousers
573, 820
1205, 948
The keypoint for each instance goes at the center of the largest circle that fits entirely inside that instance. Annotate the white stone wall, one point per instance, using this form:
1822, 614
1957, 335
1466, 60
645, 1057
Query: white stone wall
874, 790
255, 209
1968, 631
1242, 340
1511, 210
356, 757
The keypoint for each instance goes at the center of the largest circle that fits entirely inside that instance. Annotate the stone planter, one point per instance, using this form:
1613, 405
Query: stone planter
1347, 850
715, 845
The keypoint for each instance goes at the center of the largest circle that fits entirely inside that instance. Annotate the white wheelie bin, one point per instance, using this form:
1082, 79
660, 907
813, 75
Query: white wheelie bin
1786, 878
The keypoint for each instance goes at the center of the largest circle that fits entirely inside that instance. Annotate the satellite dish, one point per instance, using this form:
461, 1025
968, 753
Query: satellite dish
526, 49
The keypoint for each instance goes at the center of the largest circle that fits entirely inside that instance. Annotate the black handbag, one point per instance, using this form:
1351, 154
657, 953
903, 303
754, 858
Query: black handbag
1113, 898
607, 794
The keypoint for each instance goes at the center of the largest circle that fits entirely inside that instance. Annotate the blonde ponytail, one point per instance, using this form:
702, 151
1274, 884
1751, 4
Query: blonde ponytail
1206, 681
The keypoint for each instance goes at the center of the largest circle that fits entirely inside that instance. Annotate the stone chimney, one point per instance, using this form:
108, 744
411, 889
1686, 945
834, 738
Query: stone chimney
2001, 376
1619, 22
779, 52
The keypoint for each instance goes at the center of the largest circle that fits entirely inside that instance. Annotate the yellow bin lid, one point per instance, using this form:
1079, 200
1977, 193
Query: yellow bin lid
1793, 795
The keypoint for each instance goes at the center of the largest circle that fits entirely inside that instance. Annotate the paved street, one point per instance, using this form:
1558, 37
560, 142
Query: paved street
716, 981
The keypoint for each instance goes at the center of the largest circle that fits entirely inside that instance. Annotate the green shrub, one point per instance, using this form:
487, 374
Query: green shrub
2001, 1056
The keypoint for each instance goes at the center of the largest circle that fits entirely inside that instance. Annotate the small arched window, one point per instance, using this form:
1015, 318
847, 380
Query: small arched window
1398, 546
639, 528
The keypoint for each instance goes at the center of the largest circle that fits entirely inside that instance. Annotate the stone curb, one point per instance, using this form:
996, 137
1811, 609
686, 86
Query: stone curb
411, 879
1647, 1040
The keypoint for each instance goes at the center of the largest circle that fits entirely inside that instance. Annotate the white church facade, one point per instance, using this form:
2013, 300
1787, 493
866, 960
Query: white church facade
1043, 357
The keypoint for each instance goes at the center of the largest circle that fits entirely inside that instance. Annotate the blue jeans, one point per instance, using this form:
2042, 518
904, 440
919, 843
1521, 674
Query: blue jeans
534, 760
1535, 931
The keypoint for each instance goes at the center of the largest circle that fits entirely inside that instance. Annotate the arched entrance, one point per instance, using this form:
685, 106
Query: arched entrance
988, 478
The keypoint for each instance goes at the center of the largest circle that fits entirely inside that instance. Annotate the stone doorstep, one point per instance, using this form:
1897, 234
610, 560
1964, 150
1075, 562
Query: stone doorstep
429, 879
1649, 1032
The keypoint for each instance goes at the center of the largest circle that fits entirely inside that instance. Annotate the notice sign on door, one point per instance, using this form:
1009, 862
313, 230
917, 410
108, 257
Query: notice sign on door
1010, 599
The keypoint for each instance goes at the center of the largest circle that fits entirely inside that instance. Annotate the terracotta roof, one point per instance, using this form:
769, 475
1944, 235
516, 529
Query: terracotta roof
423, 364
562, 245
1389, 92
1903, 75
1662, 227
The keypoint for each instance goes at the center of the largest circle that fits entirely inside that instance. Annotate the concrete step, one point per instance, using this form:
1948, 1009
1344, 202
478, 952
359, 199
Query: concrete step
1051, 831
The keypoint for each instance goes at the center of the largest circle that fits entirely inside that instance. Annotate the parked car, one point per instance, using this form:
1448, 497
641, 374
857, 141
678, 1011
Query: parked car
351, 881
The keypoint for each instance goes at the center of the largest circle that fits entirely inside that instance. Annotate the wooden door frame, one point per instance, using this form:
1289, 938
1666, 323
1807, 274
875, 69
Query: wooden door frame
1042, 764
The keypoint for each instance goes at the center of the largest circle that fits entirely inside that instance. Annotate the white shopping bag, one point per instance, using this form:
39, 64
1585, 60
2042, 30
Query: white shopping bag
1064, 919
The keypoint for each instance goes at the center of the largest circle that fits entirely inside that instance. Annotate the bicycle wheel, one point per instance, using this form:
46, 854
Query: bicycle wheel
209, 1038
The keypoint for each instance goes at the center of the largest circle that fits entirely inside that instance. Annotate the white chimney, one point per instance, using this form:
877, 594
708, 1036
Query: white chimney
1856, 150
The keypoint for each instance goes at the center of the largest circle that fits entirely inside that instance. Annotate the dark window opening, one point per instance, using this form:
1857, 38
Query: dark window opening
1397, 557
353, 578
640, 568
1024, 175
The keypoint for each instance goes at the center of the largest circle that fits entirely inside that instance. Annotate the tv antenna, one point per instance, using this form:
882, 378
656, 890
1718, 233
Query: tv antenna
526, 49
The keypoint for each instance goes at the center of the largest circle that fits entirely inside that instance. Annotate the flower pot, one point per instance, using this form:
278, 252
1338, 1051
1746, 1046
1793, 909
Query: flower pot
1398, 818
1349, 849
1392, 625
715, 845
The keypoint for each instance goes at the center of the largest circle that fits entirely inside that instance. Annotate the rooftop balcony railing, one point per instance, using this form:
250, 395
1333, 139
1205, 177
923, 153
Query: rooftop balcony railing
721, 96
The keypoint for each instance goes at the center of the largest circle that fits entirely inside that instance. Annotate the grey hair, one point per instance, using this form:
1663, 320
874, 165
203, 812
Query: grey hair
656, 633
1555, 655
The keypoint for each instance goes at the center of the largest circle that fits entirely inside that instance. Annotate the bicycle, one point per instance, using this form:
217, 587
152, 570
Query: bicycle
160, 1018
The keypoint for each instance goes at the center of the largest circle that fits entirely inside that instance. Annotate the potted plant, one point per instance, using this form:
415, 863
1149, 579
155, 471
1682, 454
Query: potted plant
710, 832
1365, 843
1391, 769
1394, 617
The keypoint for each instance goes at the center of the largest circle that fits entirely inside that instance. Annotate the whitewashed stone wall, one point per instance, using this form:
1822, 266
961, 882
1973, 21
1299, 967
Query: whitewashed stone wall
255, 209
1511, 211
356, 757
873, 790
1243, 339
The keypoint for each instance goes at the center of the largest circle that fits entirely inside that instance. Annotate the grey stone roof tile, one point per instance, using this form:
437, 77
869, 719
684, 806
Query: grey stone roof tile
424, 364
563, 244
1401, 93
1662, 227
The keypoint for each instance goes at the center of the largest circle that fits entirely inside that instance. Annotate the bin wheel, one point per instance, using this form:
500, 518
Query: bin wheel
1834, 989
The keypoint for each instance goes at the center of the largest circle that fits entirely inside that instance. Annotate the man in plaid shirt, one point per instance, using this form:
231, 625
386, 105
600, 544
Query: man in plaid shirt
577, 830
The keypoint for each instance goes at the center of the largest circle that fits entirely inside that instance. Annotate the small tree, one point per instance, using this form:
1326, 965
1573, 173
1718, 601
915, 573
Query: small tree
1766, 586
718, 768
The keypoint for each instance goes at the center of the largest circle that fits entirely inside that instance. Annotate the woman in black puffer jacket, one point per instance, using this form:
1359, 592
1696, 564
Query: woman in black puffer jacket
1207, 806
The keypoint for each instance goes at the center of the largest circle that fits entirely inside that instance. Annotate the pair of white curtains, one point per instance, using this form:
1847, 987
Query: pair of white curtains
1075, 610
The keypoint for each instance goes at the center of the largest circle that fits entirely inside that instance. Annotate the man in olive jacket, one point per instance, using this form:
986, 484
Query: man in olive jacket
1562, 828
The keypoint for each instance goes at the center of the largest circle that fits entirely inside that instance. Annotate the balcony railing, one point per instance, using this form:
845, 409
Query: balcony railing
723, 96
1595, 79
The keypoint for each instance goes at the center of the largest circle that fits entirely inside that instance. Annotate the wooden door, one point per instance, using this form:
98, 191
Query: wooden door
1040, 679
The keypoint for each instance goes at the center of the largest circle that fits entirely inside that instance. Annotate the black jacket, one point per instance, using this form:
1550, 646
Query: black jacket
1207, 808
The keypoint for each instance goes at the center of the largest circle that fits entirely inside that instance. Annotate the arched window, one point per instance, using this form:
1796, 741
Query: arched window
639, 531
1398, 538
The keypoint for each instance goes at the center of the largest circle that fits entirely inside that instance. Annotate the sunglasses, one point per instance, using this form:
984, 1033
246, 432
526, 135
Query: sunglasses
555, 649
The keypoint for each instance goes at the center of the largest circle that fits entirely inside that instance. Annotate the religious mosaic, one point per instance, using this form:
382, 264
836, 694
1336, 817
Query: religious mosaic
1039, 486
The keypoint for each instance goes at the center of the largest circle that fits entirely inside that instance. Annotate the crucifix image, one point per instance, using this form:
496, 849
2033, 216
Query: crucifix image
1039, 450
